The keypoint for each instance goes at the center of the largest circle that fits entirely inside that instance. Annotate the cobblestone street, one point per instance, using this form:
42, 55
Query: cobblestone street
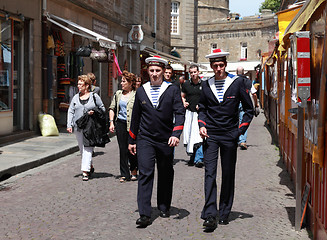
52, 201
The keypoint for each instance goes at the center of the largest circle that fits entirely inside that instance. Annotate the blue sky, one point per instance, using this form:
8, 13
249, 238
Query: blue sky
245, 7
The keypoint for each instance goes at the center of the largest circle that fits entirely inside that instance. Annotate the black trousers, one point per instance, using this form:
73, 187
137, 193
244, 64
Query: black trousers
148, 152
227, 144
125, 156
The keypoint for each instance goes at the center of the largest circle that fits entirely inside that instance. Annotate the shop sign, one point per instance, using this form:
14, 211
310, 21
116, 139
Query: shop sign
303, 66
136, 34
100, 27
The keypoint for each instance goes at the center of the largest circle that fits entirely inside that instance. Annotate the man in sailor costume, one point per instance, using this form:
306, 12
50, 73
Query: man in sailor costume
153, 135
220, 128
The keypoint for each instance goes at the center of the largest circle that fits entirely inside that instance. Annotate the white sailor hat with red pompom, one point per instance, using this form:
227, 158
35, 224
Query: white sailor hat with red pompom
217, 55
156, 61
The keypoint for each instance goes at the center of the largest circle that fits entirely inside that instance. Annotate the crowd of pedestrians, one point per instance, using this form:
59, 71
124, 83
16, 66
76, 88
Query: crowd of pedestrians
149, 118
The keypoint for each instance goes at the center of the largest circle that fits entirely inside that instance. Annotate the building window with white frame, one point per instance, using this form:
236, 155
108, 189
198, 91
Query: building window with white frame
175, 18
244, 51
213, 46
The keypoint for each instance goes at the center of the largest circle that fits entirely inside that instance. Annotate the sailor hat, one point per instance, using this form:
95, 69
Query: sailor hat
156, 61
217, 55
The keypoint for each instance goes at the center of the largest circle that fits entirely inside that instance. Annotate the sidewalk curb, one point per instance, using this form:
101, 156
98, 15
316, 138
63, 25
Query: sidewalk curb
7, 173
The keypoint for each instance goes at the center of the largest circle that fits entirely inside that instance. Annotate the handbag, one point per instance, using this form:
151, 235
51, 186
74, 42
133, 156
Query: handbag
84, 50
100, 56
110, 58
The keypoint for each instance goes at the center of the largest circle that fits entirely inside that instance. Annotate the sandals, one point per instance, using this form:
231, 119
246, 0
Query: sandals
85, 176
122, 179
134, 178
134, 175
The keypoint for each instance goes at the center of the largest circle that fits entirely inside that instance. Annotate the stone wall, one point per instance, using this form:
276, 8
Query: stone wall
230, 35
210, 10
185, 40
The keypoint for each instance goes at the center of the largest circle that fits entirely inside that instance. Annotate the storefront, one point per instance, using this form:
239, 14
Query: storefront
15, 84
73, 50
295, 80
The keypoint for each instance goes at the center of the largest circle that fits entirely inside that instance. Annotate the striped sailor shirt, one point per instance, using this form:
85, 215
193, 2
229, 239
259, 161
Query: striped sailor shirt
154, 90
220, 86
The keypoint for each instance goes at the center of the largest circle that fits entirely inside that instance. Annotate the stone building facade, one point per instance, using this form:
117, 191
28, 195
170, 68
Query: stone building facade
183, 38
245, 38
210, 10
189, 13
208, 24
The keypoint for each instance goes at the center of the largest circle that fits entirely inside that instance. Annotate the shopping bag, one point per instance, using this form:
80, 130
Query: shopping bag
48, 125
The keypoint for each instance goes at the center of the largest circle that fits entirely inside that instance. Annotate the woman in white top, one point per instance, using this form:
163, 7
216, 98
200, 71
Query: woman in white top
83, 102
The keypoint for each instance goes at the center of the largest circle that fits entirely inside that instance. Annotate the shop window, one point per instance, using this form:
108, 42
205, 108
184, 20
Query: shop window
5, 65
175, 18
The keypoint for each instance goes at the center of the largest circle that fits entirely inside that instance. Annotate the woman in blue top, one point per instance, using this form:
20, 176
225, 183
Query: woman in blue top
120, 110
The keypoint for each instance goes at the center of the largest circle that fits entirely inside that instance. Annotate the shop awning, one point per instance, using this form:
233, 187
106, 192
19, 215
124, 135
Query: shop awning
284, 19
172, 59
180, 67
301, 18
248, 66
76, 29
177, 67
231, 66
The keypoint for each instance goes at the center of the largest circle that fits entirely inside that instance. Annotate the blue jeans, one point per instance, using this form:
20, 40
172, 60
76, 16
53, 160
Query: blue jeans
242, 138
198, 155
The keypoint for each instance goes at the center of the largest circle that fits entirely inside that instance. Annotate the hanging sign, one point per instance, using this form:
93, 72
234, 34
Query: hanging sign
136, 34
303, 66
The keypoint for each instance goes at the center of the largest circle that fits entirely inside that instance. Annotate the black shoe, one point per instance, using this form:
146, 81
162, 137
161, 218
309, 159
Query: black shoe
164, 214
243, 146
199, 164
143, 221
210, 223
190, 163
223, 221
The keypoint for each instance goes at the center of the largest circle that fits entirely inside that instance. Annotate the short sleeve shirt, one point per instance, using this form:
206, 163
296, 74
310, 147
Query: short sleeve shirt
192, 94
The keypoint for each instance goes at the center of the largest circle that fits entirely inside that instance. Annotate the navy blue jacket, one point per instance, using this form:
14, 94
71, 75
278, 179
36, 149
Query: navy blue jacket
221, 118
157, 123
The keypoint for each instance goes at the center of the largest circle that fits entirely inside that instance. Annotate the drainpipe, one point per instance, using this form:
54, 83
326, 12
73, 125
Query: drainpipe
45, 96
195, 52
155, 25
